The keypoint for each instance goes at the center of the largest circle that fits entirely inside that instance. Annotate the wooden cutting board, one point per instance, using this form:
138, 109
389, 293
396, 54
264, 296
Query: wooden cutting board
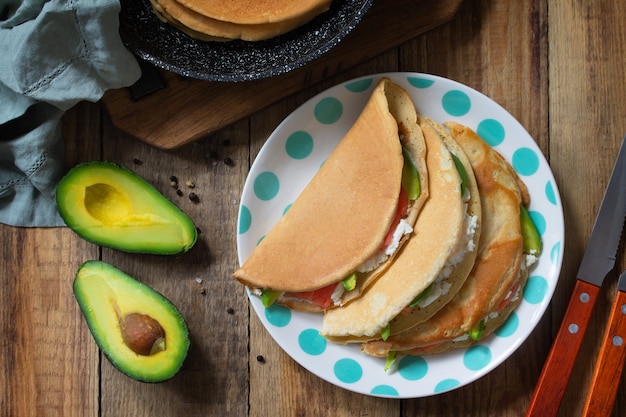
186, 110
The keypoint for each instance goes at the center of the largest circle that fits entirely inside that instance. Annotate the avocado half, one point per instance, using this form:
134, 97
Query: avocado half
111, 206
106, 295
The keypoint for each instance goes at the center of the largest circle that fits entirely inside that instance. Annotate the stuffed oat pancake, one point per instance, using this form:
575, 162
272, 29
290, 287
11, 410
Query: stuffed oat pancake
435, 261
209, 20
352, 218
493, 288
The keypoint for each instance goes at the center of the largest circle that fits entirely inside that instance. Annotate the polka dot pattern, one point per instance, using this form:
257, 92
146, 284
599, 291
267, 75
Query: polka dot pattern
290, 158
299, 145
266, 185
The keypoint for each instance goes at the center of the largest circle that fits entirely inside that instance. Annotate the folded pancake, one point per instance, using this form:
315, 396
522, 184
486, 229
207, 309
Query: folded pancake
207, 28
165, 17
499, 274
249, 12
339, 224
438, 256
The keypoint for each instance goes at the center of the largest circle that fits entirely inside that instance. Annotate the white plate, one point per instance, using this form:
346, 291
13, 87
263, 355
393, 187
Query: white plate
290, 158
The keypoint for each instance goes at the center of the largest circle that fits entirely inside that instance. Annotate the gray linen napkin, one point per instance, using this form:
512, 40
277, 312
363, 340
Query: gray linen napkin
53, 54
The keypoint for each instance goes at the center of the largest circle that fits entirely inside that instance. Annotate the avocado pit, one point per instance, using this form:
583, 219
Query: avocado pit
142, 334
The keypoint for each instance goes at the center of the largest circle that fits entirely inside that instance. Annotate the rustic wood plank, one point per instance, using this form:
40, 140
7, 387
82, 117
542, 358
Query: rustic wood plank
48, 364
214, 378
47, 367
587, 96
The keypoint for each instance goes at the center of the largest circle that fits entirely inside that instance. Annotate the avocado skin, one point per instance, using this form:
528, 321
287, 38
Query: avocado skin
156, 225
102, 292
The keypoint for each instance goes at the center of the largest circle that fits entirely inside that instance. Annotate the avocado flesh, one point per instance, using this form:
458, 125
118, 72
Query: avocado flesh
410, 177
104, 294
530, 235
111, 206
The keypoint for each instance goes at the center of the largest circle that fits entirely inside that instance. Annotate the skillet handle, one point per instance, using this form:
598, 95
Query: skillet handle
558, 367
608, 368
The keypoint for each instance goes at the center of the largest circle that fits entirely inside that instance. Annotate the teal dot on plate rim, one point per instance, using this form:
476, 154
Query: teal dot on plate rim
245, 219
299, 144
509, 327
412, 368
446, 384
555, 252
550, 194
491, 131
359, 86
477, 357
525, 161
348, 370
266, 185
535, 289
287, 208
311, 342
456, 103
538, 220
384, 390
328, 110
278, 315
420, 82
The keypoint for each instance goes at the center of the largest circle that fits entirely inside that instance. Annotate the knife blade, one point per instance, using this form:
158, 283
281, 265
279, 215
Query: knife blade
610, 362
597, 262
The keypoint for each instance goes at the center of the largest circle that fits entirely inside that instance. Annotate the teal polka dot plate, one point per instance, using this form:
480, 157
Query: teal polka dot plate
292, 155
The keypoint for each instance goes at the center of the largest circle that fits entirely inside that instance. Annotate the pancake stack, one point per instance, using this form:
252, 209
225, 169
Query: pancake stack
219, 20
459, 272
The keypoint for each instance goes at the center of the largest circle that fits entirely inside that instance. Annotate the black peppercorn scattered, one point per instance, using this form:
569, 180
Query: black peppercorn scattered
194, 197
230, 310
260, 358
137, 161
228, 161
179, 193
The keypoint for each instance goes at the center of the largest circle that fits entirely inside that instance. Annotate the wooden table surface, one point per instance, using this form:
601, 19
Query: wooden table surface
555, 65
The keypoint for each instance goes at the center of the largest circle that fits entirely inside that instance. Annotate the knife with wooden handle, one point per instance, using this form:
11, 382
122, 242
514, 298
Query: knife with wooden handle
597, 262
610, 361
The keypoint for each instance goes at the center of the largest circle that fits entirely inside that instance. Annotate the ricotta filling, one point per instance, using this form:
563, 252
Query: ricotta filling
403, 228
528, 260
441, 286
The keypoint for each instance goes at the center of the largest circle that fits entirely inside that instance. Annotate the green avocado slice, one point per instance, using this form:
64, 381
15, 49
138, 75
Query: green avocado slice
269, 297
410, 177
530, 235
462, 172
477, 331
107, 297
111, 206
